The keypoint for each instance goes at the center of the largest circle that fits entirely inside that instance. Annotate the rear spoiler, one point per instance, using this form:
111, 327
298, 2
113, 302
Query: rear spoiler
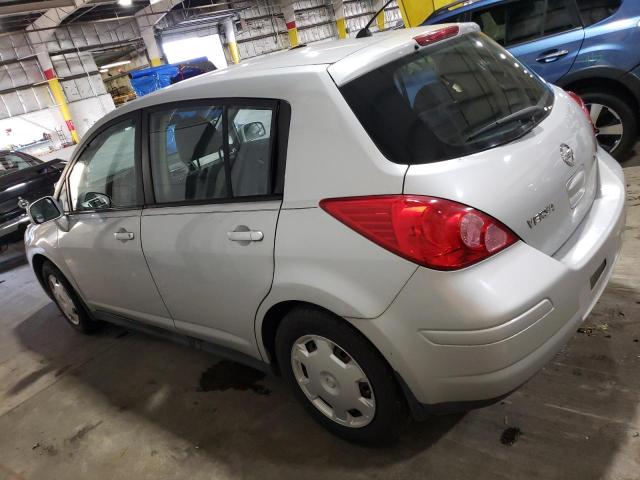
393, 45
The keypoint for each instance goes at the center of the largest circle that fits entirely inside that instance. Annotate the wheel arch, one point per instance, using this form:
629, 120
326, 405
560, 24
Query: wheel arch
37, 261
276, 313
269, 328
613, 84
272, 320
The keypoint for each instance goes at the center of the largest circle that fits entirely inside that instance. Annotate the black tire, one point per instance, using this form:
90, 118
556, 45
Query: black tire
622, 106
390, 415
83, 323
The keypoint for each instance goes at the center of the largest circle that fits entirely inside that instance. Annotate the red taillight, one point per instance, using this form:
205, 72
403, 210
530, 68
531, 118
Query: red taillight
432, 232
581, 104
428, 38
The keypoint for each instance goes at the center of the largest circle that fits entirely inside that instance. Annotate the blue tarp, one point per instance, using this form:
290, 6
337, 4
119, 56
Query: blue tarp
151, 79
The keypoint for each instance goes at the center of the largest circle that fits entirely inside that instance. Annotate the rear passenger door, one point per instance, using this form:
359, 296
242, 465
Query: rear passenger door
216, 179
546, 35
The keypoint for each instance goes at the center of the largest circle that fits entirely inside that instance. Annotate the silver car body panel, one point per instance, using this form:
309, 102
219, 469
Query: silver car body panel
112, 275
470, 334
212, 286
466, 328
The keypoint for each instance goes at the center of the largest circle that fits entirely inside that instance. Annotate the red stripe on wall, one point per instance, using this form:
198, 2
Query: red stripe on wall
49, 73
291, 25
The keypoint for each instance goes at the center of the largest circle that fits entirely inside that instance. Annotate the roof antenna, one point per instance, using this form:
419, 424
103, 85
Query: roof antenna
365, 32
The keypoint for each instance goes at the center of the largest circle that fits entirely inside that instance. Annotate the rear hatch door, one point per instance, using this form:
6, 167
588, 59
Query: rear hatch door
476, 126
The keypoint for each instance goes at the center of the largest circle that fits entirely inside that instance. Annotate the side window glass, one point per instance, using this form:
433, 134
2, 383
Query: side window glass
524, 21
251, 156
11, 162
105, 175
492, 22
187, 154
188, 160
594, 11
558, 18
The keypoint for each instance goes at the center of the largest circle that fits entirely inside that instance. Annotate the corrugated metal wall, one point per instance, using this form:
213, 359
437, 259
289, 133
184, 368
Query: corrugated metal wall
262, 28
22, 85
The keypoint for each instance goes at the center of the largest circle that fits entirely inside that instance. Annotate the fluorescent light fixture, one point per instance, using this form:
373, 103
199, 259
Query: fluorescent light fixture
114, 64
183, 49
125, 3
104, 70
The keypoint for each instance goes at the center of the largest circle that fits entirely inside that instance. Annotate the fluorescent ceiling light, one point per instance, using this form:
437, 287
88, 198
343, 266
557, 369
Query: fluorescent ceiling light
114, 64
104, 70
125, 3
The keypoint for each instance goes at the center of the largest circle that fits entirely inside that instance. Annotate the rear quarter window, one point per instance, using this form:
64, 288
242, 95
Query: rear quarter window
594, 11
448, 100
516, 22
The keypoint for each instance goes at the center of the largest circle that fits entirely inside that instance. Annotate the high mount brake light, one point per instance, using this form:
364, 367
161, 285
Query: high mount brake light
581, 104
432, 232
432, 37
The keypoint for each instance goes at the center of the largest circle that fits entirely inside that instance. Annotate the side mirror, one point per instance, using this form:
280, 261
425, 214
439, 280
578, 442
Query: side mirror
96, 200
44, 210
253, 131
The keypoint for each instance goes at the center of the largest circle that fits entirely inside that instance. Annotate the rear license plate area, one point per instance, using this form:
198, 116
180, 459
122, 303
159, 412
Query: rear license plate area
598, 273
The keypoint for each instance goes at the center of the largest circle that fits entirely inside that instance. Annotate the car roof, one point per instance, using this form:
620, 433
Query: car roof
352, 54
462, 6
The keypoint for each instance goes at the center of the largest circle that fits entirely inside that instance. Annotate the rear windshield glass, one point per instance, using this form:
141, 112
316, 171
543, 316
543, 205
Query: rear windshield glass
452, 99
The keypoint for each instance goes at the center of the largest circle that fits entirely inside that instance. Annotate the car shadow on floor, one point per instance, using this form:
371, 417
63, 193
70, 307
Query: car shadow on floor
204, 399
572, 415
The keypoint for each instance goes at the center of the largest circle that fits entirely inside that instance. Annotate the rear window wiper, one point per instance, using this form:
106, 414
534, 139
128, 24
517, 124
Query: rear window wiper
528, 113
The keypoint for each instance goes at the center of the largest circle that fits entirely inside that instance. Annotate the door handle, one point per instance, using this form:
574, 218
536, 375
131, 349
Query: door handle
123, 235
245, 236
552, 56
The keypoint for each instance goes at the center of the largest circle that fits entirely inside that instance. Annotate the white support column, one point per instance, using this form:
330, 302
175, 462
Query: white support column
230, 34
380, 18
151, 44
290, 20
341, 23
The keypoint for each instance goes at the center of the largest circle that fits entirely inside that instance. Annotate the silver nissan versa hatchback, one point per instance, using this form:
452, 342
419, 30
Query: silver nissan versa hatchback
400, 225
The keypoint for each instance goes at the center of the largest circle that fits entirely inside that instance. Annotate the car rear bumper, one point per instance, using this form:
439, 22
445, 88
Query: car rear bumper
479, 333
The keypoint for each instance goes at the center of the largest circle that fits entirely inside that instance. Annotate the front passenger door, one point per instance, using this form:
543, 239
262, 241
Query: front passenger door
102, 245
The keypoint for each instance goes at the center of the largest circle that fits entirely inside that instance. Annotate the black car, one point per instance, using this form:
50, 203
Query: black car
22, 177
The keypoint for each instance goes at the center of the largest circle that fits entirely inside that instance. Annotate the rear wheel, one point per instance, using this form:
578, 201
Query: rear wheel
339, 377
67, 300
615, 120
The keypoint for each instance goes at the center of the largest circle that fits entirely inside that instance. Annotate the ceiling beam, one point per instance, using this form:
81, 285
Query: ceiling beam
36, 6
41, 30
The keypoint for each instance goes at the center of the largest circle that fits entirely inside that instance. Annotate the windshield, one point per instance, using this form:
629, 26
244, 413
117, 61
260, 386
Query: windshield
10, 163
453, 99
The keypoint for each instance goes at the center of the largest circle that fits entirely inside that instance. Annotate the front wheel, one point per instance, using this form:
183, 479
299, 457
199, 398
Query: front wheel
67, 300
615, 121
339, 377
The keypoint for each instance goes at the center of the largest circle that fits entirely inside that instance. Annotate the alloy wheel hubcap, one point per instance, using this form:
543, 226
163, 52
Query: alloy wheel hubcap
608, 124
64, 300
333, 381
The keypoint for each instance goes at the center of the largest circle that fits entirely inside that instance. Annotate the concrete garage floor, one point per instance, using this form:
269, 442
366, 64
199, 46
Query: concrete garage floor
124, 405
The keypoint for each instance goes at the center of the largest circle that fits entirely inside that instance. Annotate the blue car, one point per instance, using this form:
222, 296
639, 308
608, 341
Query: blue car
591, 47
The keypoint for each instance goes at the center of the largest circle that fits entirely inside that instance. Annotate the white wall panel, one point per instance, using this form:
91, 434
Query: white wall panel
44, 95
88, 111
13, 103
26, 128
